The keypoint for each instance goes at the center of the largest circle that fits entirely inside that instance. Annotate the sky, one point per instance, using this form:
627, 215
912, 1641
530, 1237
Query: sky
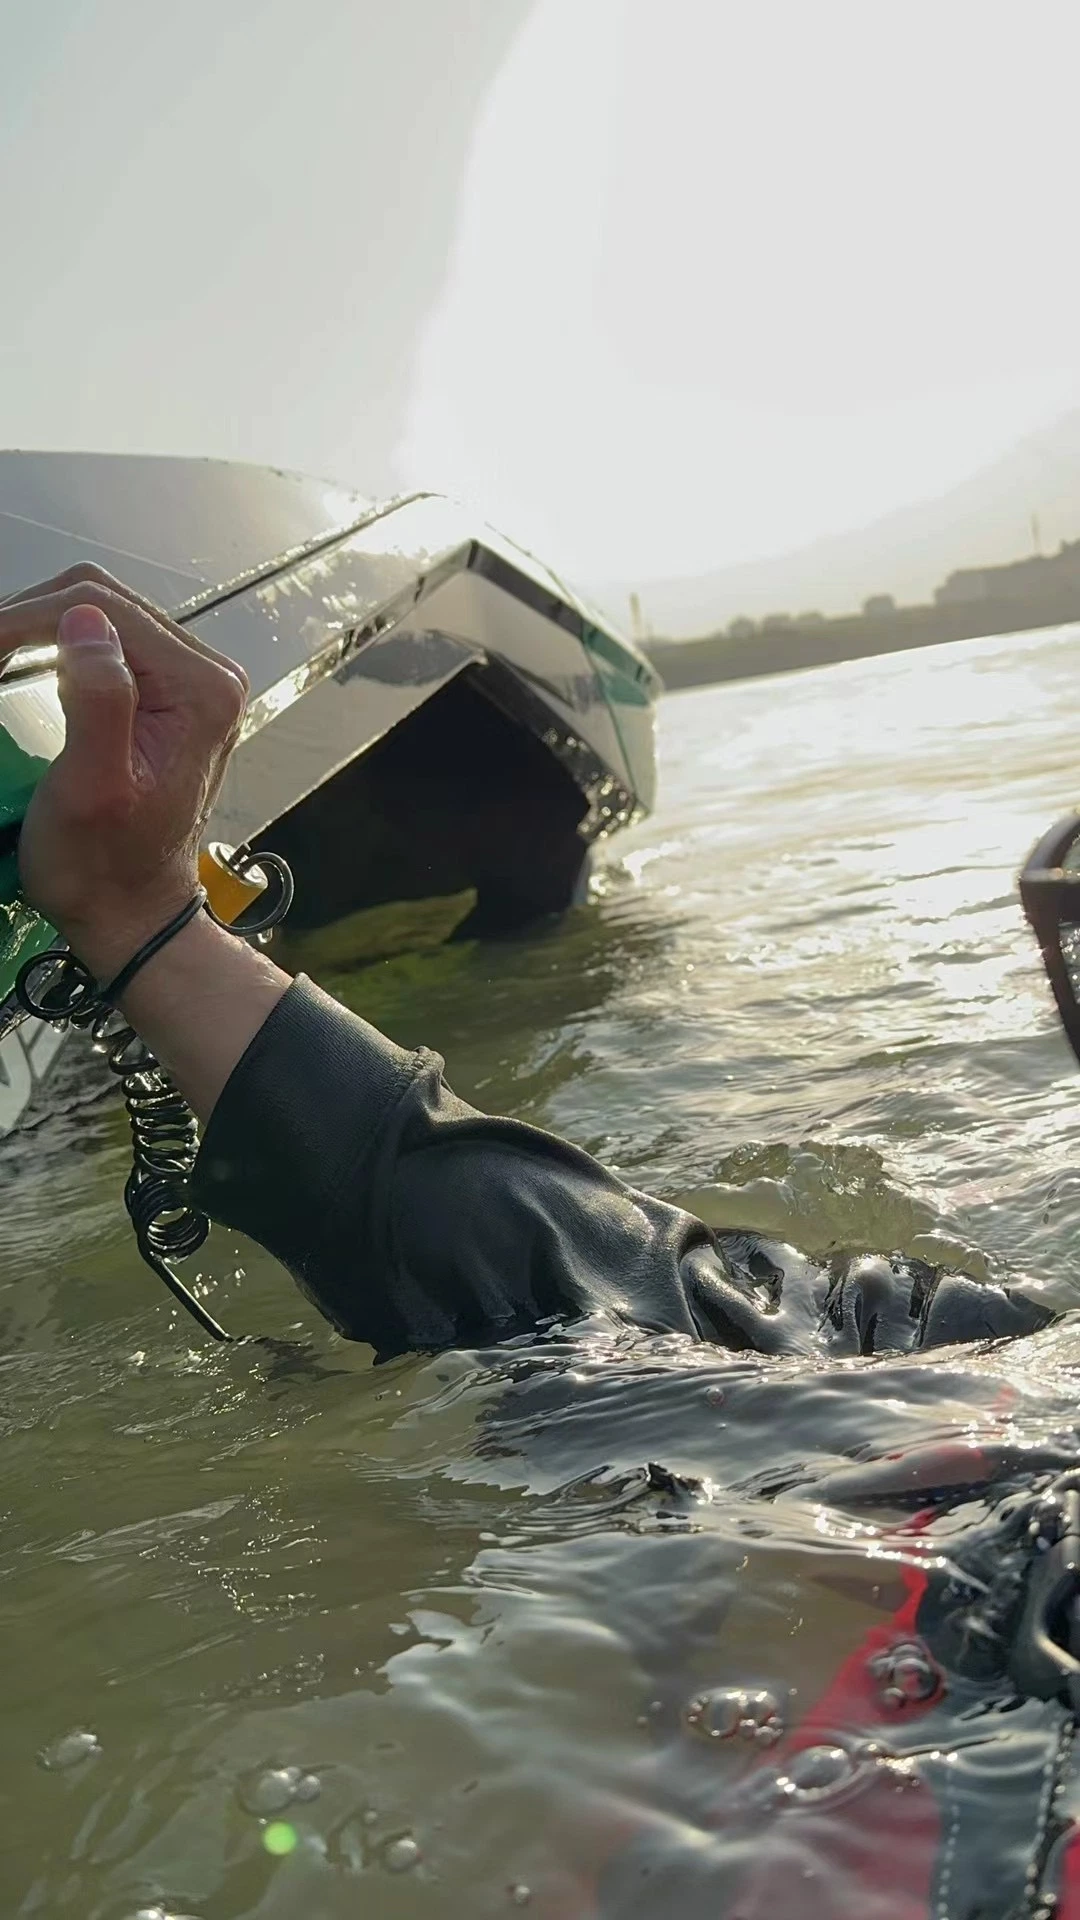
661, 289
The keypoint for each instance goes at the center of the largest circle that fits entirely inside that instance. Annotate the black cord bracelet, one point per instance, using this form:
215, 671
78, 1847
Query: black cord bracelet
109, 995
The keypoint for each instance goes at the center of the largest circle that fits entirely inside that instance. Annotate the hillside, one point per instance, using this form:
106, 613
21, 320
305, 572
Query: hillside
985, 520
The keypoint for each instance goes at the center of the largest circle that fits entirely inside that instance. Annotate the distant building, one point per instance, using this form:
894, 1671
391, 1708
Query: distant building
878, 606
811, 619
741, 628
1024, 582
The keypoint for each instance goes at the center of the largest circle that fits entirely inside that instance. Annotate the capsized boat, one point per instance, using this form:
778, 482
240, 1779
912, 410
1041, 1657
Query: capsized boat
434, 715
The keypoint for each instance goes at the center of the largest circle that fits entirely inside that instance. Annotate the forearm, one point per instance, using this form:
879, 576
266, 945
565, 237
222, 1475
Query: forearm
413, 1221
198, 1005
409, 1218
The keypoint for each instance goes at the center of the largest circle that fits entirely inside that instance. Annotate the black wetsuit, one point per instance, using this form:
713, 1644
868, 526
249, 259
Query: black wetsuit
416, 1223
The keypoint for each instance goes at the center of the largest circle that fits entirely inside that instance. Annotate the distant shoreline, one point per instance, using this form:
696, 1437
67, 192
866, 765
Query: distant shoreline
790, 648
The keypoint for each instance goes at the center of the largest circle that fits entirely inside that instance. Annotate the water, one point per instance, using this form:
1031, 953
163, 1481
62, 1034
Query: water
291, 1639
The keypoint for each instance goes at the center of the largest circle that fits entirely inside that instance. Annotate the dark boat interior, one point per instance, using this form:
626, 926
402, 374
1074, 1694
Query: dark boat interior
461, 795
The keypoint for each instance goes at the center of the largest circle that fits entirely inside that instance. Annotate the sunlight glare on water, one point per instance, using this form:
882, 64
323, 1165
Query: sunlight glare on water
286, 1636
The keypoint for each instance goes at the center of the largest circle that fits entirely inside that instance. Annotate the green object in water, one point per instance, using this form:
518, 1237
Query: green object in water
279, 1838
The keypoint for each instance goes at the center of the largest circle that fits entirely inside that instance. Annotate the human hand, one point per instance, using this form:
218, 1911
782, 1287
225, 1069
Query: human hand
109, 847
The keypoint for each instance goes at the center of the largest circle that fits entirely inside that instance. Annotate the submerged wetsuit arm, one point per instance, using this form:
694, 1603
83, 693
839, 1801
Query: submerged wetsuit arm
412, 1220
415, 1222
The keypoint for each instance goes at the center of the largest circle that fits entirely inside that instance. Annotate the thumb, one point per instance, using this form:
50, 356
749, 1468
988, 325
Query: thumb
97, 694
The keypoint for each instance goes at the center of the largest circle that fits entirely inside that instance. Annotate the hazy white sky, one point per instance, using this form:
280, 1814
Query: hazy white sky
662, 287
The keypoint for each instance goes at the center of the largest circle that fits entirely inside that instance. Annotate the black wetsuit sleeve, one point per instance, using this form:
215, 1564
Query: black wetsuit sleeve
415, 1222
410, 1219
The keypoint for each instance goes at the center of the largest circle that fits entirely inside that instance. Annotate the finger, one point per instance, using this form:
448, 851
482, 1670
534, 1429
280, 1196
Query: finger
167, 669
97, 693
86, 574
85, 577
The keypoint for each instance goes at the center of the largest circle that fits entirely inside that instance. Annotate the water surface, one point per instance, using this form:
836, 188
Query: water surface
803, 999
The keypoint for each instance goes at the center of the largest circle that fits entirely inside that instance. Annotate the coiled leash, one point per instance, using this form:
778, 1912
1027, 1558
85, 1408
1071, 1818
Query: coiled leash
56, 987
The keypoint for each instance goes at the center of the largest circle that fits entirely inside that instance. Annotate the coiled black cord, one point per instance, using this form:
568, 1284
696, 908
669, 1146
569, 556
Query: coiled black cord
58, 988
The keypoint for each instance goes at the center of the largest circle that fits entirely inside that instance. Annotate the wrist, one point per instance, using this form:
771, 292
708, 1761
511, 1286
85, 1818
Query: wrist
198, 1004
106, 943
186, 971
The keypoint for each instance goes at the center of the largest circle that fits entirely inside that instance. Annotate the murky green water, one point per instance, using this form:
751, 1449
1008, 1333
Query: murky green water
803, 995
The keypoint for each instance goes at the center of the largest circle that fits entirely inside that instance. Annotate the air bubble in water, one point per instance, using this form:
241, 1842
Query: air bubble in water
906, 1675
399, 1855
752, 1713
70, 1751
816, 1771
270, 1791
277, 1788
160, 1913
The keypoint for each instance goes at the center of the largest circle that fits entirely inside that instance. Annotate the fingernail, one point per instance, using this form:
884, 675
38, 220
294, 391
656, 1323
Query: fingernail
88, 627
